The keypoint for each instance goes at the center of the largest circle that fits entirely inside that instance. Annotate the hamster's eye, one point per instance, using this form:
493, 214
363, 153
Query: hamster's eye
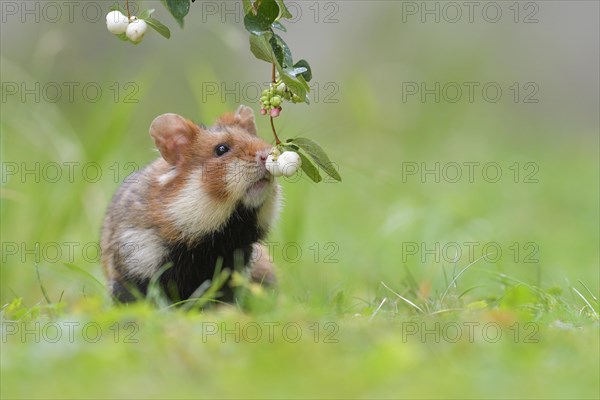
221, 149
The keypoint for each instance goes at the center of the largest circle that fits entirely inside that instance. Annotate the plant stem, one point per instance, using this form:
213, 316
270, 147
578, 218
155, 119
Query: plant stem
277, 141
127, 8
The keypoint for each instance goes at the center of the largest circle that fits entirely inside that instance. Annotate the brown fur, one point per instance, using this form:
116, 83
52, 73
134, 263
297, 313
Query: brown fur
188, 150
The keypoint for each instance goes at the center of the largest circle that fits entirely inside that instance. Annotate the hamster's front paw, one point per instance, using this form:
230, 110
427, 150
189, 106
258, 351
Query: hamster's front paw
262, 269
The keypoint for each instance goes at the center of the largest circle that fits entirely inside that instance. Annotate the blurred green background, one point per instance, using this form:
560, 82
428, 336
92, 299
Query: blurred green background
385, 106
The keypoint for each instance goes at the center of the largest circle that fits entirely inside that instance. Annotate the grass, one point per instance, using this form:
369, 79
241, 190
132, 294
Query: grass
527, 343
393, 284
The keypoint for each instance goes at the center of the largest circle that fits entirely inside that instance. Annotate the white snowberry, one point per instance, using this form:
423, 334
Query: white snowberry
116, 22
289, 163
136, 29
272, 165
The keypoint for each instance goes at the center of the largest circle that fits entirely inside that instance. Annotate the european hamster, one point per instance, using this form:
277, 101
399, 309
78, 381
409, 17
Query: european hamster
207, 201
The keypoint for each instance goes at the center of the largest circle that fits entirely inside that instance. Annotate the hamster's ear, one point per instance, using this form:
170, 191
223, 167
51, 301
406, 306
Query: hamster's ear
172, 135
244, 116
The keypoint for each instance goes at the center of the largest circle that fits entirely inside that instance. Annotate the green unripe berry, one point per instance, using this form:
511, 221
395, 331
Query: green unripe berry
276, 101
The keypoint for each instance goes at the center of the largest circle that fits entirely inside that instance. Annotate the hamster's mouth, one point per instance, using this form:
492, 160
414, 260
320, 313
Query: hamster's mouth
257, 192
258, 186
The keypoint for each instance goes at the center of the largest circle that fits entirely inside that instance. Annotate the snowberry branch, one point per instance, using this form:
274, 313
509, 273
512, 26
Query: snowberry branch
274, 80
289, 79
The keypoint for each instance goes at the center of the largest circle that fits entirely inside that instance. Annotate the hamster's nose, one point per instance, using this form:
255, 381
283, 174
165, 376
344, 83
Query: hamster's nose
262, 155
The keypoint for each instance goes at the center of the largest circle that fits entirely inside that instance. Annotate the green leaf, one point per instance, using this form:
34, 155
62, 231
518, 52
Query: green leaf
158, 27
178, 8
282, 52
317, 153
259, 21
146, 14
307, 166
117, 7
247, 4
261, 48
270, 47
285, 13
307, 74
291, 147
123, 37
279, 26
296, 84
298, 71
309, 169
